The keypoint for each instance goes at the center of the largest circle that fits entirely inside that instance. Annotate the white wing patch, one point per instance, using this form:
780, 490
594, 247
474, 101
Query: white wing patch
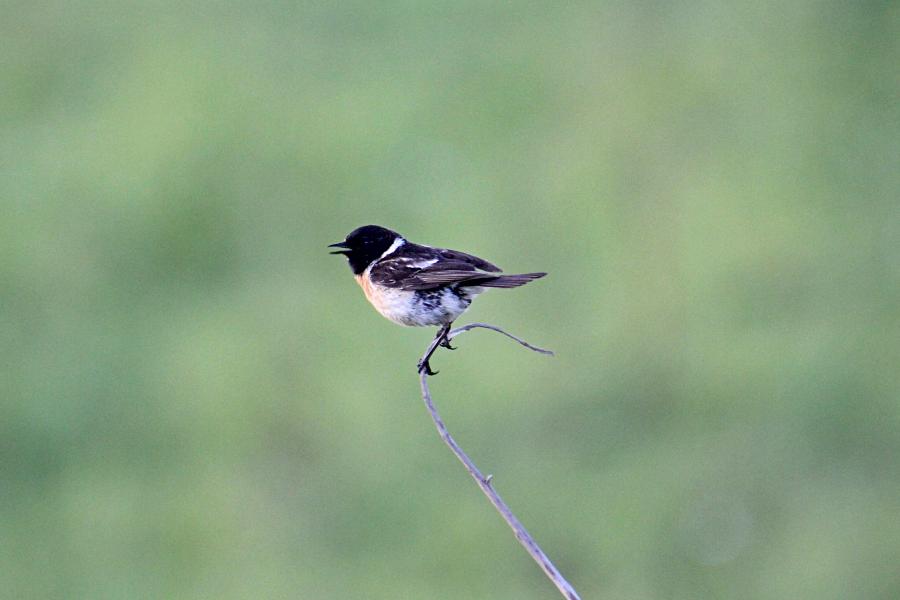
423, 264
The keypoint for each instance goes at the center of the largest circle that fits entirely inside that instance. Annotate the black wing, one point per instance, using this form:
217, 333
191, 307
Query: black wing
416, 267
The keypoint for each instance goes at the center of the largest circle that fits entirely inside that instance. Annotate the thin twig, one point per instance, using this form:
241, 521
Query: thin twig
484, 482
455, 332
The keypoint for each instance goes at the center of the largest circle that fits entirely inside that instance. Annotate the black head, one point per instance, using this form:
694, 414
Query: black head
364, 245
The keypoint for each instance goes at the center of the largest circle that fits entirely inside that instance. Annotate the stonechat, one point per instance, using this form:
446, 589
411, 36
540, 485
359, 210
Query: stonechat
417, 285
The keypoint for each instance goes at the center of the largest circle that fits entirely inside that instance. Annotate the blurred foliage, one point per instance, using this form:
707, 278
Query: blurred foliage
198, 403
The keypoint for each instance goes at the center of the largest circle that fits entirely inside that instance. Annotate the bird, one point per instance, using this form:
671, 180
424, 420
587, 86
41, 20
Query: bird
417, 285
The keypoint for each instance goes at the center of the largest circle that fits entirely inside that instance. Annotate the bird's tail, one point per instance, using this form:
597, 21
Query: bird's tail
506, 281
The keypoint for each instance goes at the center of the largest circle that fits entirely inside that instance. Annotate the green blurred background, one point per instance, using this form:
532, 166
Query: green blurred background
197, 402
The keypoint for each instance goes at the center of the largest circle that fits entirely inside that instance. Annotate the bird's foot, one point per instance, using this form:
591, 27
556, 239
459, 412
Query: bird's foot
445, 343
424, 366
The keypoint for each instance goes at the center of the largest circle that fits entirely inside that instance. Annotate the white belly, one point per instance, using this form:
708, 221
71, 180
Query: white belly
417, 309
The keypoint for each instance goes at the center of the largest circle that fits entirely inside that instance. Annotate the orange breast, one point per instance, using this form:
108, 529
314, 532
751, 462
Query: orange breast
363, 282
370, 291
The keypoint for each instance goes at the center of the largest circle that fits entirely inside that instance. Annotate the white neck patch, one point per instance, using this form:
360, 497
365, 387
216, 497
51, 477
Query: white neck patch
392, 248
399, 241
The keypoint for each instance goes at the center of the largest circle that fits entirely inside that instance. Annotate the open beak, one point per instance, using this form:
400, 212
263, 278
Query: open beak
339, 245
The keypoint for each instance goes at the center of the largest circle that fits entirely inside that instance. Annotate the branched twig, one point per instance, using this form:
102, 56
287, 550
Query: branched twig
484, 482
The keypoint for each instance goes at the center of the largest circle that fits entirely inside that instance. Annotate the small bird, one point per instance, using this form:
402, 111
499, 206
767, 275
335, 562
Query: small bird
418, 285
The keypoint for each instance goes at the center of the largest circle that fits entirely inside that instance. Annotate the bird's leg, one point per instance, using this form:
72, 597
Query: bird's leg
445, 341
441, 337
439, 340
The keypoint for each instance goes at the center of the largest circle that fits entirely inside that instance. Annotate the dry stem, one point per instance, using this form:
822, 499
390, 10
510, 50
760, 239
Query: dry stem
483, 482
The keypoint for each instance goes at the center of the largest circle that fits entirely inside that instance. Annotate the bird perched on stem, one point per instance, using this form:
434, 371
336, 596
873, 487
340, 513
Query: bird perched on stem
418, 285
